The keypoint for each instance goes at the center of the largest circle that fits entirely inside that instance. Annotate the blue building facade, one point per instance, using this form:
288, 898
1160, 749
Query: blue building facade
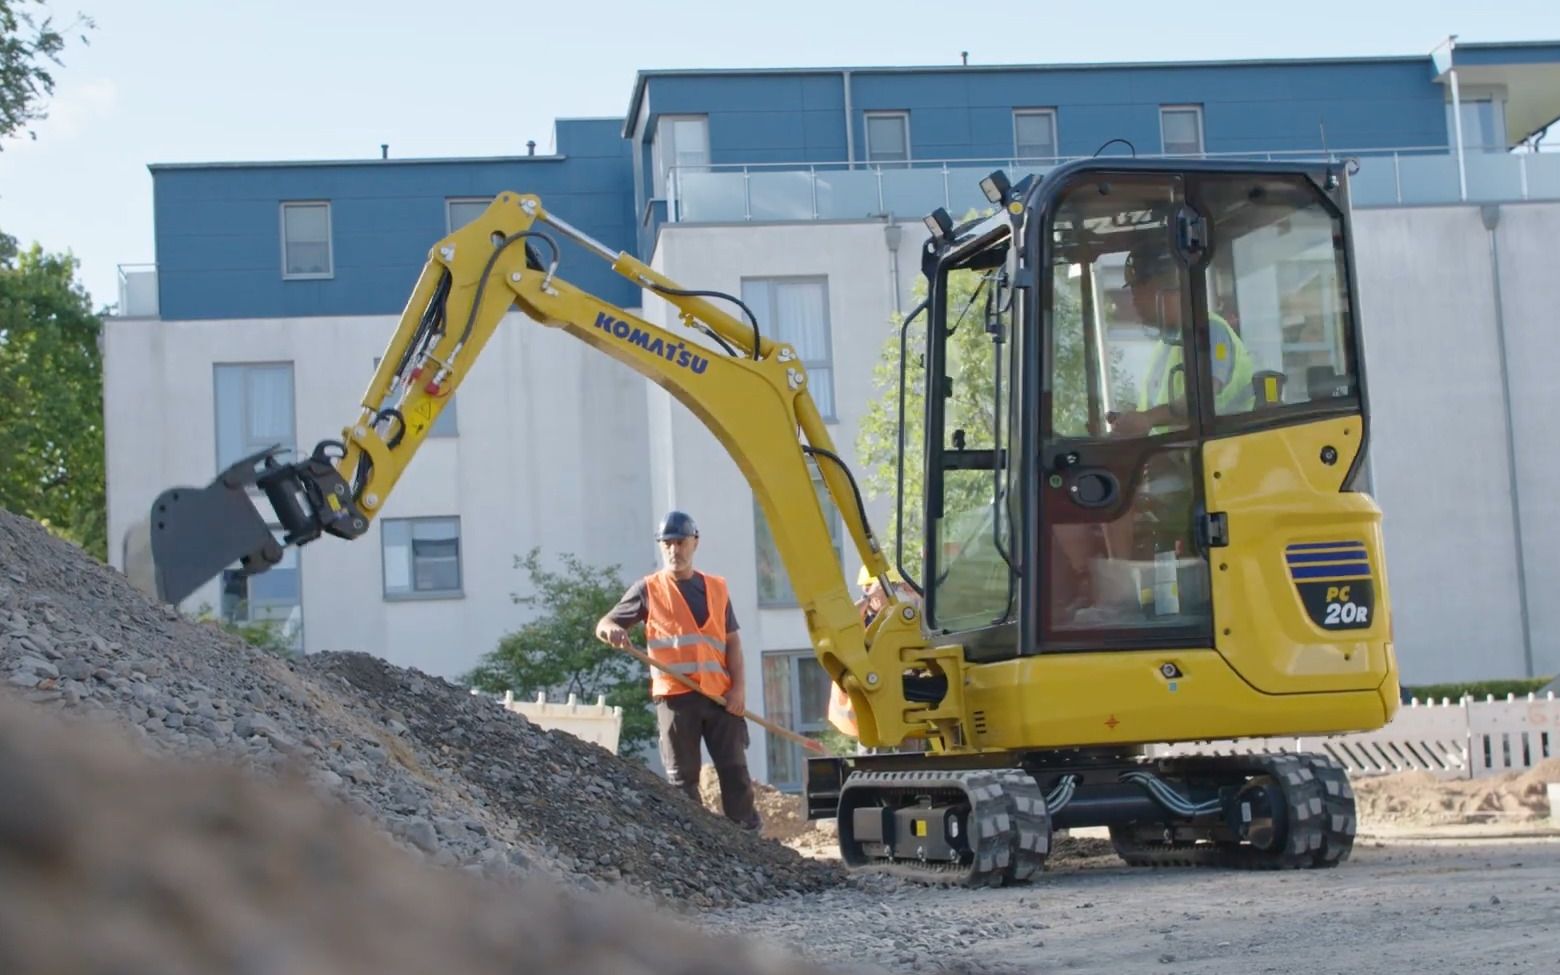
241, 240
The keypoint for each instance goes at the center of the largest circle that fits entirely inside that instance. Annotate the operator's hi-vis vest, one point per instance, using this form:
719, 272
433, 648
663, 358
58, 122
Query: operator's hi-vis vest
675, 640
1231, 364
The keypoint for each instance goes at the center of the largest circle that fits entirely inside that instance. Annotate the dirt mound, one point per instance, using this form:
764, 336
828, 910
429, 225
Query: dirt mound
458, 777
784, 815
113, 861
1421, 799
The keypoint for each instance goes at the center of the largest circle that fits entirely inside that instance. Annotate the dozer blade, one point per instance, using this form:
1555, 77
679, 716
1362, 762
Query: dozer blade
195, 533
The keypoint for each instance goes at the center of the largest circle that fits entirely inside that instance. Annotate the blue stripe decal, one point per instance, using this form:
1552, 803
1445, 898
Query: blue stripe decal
1348, 570
1342, 555
1312, 546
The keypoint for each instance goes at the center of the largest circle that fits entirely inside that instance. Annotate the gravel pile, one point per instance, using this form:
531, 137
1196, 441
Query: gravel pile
458, 777
113, 860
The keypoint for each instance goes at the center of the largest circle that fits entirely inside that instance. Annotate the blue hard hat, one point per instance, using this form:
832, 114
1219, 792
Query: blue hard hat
676, 524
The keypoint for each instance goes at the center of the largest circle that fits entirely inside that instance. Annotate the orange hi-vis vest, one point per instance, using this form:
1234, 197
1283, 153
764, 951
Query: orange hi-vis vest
841, 715
675, 640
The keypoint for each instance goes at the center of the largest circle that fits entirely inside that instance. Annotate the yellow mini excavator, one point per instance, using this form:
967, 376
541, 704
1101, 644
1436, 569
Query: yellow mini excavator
1153, 536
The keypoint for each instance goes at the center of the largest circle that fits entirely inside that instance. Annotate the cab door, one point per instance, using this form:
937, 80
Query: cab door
1123, 527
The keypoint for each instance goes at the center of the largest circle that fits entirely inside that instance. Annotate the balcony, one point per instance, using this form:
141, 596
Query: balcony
137, 291
1412, 176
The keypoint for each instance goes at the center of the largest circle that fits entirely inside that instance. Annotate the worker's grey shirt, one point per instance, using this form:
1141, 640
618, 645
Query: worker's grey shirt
634, 607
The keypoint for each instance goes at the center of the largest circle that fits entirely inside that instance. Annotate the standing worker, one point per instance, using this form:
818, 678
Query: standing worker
690, 628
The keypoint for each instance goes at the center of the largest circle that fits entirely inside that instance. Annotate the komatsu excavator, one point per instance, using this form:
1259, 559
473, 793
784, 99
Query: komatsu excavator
1153, 536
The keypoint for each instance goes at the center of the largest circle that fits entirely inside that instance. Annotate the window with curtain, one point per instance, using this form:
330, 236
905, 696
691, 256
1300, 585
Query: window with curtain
1181, 130
888, 137
682, 141
796, 310
254, 409
1034, 133
796, 696
306, 240
421, 557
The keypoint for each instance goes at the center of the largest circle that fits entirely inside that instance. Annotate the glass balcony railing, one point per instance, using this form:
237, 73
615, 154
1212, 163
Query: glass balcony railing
137, 291
835, 191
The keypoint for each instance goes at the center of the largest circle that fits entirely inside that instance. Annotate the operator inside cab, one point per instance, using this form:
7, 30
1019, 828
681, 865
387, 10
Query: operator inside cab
1154, 281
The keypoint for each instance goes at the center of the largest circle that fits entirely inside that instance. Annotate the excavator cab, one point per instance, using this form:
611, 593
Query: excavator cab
1094, 348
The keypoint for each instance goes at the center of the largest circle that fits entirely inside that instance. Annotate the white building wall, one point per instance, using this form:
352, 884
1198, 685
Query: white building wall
551, 451
1440, 460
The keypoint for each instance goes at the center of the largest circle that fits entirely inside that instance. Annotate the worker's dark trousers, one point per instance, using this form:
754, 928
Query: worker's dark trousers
686, 720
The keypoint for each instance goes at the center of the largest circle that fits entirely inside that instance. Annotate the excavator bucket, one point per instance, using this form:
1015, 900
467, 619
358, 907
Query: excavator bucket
193, 534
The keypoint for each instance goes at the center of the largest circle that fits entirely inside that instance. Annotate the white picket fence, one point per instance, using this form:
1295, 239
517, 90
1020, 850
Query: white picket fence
1450, 739
598, 723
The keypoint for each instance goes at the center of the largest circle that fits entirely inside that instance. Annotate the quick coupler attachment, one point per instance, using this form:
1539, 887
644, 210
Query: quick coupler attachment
196, 533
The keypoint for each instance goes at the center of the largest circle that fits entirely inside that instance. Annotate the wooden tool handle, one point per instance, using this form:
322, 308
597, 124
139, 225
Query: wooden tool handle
811, 744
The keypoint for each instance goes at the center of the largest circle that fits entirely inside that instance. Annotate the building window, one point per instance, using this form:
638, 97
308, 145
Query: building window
254, 410
796, 696
1034, 133
1181, 130
1483, 122
446, 424
774, 583
888, 137
459, 212
272, 599
796, 311
421, 557
682, 141
306, 249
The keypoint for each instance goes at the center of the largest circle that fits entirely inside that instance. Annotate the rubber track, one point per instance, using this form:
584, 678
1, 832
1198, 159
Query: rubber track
992, 819
1304, 796
1338, 801
1032, 821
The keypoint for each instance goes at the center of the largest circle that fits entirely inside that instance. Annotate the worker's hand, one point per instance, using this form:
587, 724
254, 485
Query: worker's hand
609, 632
736, 700
1133, 424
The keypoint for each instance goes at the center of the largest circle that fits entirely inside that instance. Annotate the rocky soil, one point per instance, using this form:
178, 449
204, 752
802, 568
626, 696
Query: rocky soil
116, 861
455, 776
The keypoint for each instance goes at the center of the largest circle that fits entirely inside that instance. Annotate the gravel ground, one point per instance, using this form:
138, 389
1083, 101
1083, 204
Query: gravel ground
1398, 906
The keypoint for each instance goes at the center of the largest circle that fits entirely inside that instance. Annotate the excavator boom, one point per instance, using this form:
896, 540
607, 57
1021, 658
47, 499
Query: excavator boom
750, 390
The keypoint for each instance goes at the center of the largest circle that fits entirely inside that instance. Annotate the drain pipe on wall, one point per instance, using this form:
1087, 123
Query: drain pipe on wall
850, 124
892, 233
1491, 217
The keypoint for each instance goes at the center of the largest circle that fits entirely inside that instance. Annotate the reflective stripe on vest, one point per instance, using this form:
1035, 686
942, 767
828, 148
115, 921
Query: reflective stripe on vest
678, 643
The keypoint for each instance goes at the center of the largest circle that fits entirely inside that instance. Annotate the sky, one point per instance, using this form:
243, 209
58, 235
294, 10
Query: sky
219, 80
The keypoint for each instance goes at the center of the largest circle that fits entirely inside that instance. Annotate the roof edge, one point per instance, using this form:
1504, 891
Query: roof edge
366, 161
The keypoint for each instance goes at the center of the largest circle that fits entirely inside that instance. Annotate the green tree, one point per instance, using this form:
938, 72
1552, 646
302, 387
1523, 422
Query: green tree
52, 407
557, 651
28, 45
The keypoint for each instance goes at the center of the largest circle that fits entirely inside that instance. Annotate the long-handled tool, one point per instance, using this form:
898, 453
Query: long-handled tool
811, 744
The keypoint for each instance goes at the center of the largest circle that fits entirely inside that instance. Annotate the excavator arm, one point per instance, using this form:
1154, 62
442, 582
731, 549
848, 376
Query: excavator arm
750, 390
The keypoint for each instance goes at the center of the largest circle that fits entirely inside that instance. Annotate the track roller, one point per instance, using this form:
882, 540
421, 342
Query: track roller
976, 828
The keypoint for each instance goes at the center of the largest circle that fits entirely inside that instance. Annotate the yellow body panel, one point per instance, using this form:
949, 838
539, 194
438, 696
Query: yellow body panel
1278, 492
1066, 700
